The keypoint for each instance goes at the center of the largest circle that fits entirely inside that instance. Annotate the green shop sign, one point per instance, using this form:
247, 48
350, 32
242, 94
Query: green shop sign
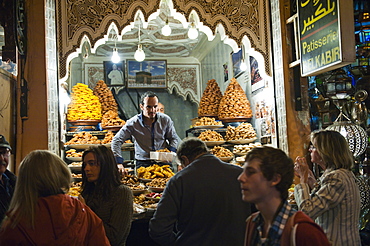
326, 33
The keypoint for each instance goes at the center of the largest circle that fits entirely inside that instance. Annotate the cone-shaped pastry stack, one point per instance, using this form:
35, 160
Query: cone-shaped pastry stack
106, 98
84, 104
111, 118
210, 100
234, 103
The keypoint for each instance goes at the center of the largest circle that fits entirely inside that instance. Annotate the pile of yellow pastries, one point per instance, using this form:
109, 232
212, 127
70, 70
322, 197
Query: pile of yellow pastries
84, 104
154, 171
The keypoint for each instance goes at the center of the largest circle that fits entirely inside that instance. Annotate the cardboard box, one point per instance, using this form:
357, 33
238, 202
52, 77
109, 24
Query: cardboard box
162, 156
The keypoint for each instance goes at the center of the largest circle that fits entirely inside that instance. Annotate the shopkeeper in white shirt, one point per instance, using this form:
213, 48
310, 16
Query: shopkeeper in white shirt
150, 129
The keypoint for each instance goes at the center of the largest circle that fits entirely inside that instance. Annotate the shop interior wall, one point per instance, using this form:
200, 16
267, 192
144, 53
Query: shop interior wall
213, 64
180, 110
262, 100
7, 110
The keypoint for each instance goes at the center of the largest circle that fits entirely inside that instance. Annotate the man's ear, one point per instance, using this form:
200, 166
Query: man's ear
141, 106
185, 160
276, 179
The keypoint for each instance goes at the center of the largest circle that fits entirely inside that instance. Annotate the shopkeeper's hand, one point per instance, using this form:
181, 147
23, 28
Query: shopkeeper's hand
122, 170
303, 171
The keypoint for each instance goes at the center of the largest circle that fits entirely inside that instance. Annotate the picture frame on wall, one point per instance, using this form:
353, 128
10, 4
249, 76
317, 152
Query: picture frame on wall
236, 60
226, 72
93, 73
114, 73
257, 82
147, 74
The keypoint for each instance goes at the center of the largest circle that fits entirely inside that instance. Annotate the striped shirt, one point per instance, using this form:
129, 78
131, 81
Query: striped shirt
334, 204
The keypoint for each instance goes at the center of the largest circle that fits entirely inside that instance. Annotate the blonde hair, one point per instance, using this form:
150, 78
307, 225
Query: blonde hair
41, 173
333, 149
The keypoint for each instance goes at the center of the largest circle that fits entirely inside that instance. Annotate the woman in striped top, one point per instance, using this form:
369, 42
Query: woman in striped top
333, 200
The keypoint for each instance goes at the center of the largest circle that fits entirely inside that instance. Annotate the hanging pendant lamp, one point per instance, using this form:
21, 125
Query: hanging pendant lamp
139, 54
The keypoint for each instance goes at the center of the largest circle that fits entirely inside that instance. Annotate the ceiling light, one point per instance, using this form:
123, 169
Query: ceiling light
139, 54
166, 29
193, 32
243, 65
115, 57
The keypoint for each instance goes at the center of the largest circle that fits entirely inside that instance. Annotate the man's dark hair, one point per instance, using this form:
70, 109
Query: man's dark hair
147, 94
274, 161
191, 147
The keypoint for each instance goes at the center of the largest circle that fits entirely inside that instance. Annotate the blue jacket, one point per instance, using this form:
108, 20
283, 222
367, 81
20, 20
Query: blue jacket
6, 192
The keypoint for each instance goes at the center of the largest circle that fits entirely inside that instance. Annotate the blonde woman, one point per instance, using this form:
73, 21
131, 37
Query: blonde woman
40, 212
333, 200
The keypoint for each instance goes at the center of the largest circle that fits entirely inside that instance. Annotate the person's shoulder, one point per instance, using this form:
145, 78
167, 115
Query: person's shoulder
225, 165
164, 117
339, 174
233, 166
306, 231
300, 217
133, 119
123, 189
10, 175
231, 169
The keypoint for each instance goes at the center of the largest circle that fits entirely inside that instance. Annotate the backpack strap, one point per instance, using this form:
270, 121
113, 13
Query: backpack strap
250, 229
287, 237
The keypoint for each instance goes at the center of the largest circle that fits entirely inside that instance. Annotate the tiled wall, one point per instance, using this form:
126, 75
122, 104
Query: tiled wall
212, 65
52, 77
279, 76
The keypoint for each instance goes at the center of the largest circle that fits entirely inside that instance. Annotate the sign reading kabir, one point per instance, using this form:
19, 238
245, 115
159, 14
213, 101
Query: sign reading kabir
326, 34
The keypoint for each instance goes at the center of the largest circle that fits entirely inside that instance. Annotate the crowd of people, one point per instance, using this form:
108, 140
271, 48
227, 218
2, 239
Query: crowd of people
208, 202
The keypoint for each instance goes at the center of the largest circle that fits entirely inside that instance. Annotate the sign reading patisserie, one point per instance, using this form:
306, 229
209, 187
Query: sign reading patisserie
326, 33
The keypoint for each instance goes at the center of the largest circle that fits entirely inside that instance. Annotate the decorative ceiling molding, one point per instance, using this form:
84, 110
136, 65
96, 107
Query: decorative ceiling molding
81, 19
238, 17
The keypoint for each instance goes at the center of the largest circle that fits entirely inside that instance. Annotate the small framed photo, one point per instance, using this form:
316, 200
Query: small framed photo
237, 59
147, 74
114, 73
226, 72
326, 119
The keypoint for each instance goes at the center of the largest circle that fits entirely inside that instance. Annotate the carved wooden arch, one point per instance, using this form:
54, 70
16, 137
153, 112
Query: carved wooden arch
80, 18
239, 18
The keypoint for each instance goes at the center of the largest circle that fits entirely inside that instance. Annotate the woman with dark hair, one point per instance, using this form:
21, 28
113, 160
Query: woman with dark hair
40, 212
333, 200
105, 195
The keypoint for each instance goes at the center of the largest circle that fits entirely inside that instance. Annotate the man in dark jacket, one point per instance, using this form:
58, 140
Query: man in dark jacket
7, 178
202, 203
